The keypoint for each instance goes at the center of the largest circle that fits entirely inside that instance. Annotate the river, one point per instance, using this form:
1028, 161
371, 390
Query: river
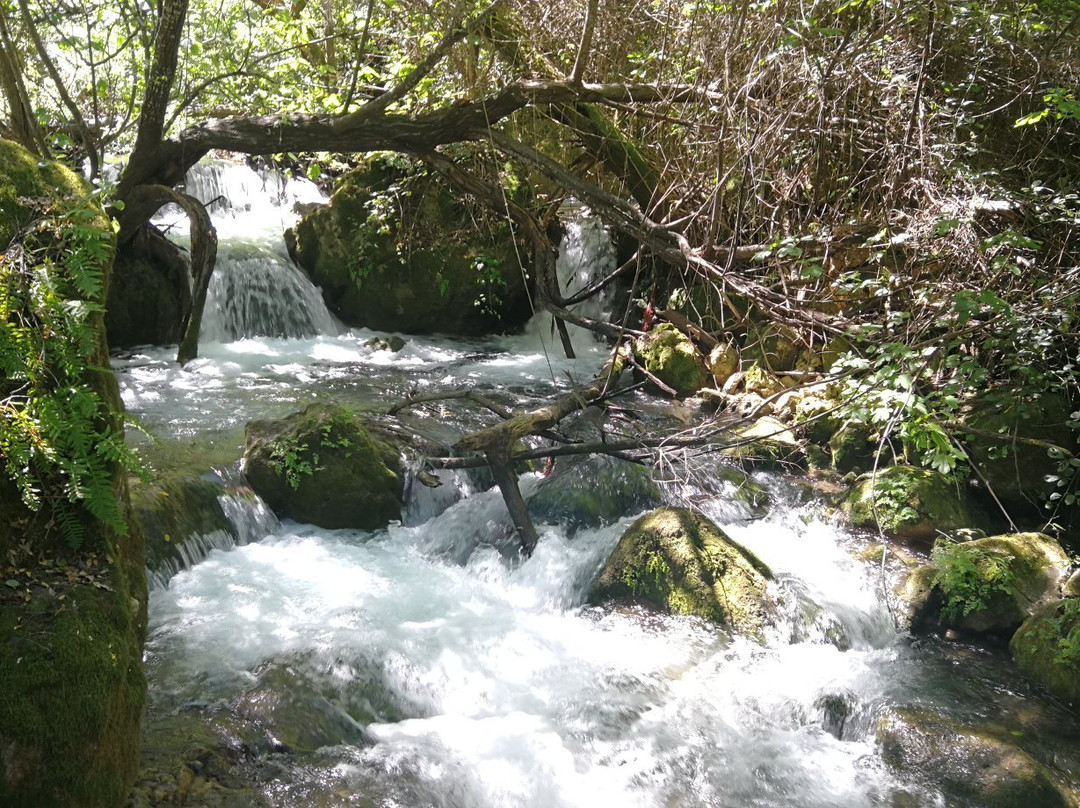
425, 664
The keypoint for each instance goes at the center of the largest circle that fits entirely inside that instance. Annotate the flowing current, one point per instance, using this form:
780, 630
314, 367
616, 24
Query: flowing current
424, 665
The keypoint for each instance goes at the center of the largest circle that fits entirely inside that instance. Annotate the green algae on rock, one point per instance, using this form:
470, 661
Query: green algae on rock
671, 356
909, 503
680, 561
1047, 648
325, 466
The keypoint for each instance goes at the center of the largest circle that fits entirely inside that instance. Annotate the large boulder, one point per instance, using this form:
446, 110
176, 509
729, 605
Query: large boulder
971, 765
397, 250
1047, 648
671, 356
325, 466
680, 561
910, 503
988, 585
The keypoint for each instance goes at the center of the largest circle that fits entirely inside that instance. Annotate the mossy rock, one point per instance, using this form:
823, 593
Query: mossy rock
909, 503
768, 442
397, 250
1047, 648
991, 585
1016, 434
771, 347
761, 381
24, 178
813, 416
325, 466
852, 448
671, 356
174, 510
593, 492
723, 362
971, 765
681, 562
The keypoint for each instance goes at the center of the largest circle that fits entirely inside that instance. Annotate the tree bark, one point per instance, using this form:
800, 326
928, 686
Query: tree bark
148, 199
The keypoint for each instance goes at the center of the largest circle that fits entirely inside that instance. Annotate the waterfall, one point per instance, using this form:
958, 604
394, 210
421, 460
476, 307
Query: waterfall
255, 290
586, 255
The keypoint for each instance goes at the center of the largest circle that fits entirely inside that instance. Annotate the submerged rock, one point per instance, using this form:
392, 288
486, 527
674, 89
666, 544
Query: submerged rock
325, 466
1047, 648
593, 492
682, 562
671, 356
909, 503
987, 585
973, 765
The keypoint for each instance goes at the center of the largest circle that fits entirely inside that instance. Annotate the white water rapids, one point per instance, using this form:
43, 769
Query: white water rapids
406, 671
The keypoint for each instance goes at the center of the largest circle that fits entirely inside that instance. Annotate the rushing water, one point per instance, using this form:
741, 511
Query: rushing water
424, 665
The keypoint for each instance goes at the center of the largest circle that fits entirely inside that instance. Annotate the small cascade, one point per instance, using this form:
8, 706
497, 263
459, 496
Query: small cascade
256, 291
249, 520
586, 255
234, 187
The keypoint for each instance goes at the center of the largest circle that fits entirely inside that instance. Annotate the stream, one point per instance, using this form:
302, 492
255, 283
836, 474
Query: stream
425, 665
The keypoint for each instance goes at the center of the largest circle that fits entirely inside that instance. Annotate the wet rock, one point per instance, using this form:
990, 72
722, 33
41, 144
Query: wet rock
973, 765
327, 467
174, 511
909, 503
742, 487
671, 356
198, 758
397, 250
987, 586
593, 492
393, 344
680, 561
1071, 587
1047, 648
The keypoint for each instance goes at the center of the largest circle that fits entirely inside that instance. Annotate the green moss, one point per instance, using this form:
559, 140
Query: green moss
768, 442
24, 175
671, 356
909, 502
73, 691
991, 585
324, 466
1047, 648
396, 250
681, 562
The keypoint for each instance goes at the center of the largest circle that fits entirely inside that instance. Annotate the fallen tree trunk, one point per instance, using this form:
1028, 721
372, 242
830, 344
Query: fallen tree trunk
496, 442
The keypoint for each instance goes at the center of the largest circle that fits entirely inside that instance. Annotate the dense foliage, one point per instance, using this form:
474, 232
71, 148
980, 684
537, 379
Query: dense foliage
902, 175
58, 438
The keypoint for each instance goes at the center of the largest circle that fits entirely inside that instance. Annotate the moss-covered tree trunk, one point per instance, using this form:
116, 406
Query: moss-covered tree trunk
72, 612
